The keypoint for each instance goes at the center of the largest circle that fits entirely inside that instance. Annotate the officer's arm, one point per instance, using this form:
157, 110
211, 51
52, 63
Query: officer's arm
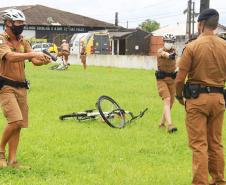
18, 57
163, 54
36, 61
184, 66
180, 79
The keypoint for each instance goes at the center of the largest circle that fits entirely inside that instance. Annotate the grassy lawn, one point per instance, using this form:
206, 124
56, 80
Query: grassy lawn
92, 153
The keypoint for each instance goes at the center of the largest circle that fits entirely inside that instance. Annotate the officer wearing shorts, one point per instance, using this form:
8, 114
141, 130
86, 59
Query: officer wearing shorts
14, 50
165, 76
203, 62
64, 52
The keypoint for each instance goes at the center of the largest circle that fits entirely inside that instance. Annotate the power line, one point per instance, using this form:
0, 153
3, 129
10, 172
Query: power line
152, 16
162, 17
147, 6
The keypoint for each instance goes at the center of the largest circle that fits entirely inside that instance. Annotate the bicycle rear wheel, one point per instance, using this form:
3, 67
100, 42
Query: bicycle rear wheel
111, 112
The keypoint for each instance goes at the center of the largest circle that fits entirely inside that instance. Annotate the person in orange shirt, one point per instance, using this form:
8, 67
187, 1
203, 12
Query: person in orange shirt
14, 50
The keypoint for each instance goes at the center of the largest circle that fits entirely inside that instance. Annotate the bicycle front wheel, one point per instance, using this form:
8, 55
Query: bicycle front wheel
111, 112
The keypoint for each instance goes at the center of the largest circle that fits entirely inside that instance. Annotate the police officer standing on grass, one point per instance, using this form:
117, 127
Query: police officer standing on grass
14, 50
203, 62
165, 76
64, 52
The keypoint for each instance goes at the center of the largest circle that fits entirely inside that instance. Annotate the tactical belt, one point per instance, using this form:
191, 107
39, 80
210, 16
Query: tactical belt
12, 83
211, 90
162, 74
193, 90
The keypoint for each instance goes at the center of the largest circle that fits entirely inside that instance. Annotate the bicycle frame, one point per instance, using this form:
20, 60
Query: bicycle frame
90, 114
116, 118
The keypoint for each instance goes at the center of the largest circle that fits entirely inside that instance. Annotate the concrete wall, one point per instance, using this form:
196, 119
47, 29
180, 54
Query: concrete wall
120, 61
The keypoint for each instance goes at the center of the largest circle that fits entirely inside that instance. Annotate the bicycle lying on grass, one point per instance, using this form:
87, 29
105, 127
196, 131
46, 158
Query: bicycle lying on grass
110, 112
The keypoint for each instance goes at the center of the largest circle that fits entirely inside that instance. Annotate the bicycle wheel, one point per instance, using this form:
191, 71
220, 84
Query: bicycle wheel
111, 112
78, 116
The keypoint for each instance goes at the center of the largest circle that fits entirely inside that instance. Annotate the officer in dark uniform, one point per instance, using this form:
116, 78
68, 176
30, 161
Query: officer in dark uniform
203, 62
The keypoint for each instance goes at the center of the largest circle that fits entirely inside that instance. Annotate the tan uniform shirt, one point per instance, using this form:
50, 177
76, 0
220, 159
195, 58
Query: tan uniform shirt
205, 60
164, 64
64, 47
12, 70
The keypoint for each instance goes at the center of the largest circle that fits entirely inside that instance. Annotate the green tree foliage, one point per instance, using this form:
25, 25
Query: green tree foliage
149, 25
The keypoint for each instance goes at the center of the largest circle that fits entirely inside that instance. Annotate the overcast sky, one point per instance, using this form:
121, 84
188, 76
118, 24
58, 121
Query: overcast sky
166, 12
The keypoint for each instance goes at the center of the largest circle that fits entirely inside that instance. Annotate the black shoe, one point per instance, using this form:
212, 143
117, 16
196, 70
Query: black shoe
171, 129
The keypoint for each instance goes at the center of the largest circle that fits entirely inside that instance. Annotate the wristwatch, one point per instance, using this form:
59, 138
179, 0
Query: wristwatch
179, 97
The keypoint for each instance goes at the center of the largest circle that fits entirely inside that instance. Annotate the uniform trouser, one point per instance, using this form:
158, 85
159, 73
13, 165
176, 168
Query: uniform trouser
14, 105
166, 89
204, 121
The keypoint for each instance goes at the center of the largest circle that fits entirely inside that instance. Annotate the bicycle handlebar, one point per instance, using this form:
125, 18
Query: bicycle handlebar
138, 116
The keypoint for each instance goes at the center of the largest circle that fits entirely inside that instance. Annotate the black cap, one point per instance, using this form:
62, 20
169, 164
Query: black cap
207, 13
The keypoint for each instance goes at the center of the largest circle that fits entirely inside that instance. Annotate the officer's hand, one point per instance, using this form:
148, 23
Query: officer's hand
42, 57
172, 56
37, 62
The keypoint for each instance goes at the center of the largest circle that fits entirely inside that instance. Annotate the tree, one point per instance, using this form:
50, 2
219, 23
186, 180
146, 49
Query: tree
149, 25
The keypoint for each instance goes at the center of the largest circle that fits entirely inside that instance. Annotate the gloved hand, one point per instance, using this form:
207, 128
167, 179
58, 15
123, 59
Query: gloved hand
172, 56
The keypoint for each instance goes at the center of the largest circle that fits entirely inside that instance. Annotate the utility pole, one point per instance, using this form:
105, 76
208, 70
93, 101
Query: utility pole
116, 18
193, 19
127, 24
188, 28
204, 4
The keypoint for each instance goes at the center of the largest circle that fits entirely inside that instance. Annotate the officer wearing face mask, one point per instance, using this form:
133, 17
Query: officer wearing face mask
203, 64
165, 76
14, 50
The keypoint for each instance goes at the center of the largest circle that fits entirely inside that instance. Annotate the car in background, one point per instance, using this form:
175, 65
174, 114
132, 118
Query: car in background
51, 47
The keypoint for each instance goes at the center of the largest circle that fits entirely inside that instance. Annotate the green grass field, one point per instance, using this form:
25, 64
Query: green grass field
92, 153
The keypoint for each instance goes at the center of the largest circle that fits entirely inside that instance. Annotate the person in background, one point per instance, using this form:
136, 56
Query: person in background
64, 52
165, 76
83, 57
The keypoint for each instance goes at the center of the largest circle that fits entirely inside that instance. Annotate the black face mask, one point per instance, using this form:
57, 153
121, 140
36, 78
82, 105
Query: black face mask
17, 30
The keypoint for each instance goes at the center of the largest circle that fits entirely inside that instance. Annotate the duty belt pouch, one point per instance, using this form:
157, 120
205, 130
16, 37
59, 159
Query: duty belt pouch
191, 91
1, 83
159, 75
174, 75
